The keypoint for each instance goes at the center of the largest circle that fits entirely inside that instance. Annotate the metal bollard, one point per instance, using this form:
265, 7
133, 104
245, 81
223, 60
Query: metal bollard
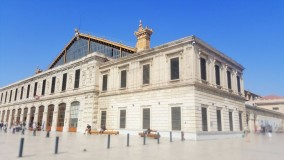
108, 141
21, 147
127, 142
47, 134
171, 138
158, 139
144, 139
56, 145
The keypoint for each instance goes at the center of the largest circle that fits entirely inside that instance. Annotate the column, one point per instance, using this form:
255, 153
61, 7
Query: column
67, 118
22, 114
10, 118
36, 115
54, 118
44, 117
28, 118
223, 74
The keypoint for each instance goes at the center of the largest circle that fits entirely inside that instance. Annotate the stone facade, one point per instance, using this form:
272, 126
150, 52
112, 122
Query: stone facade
185, 85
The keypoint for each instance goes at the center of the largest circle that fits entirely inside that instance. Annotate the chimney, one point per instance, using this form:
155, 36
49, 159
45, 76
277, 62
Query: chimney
143, 37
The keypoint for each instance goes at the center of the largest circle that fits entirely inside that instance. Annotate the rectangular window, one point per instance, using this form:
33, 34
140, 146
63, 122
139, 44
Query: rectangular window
16, 94
11, 92
64, 79
229, 79
204, 119
217, 74
239, 84
103, 118
104, 82
77, 78
6, 97
175, 68
231, 120
176, 118
146, 118
219, 120
28, 91
146, 74
53, 84
123, 79
1, 96
203, 69
122, 122
35, 89
22, 92
241, 121
43, 87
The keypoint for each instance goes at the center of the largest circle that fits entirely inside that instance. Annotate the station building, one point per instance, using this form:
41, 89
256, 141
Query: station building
184, 85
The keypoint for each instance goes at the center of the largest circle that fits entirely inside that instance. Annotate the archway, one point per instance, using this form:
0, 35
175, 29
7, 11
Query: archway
32, 117
18, 115
61, 117
74, 112
50, 110
40, 116
3, 115
13, 116
7, 117
25, 115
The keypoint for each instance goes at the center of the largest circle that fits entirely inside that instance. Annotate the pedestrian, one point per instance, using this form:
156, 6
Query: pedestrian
43, 125
23, 128
34, 129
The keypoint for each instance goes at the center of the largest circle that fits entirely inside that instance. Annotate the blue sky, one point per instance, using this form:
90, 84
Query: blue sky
32, 33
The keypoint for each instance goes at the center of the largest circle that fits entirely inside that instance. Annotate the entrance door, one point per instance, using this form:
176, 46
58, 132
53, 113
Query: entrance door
49, 117
13, 116
74, 112
32, 117
40, 116
61, 116
18, 115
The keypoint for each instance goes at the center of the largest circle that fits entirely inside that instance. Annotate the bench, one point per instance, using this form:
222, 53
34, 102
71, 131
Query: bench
152, 134
108, 131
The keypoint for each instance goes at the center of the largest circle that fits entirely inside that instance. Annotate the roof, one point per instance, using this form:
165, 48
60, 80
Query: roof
272, 97
93, 38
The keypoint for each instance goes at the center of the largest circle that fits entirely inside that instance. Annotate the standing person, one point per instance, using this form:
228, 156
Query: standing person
34, 129
1, 125
23, 128
43, 125
88, 129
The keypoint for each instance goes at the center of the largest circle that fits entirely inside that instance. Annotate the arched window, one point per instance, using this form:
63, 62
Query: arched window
40, 115
74, 113
49, 117
18, 115
61, 116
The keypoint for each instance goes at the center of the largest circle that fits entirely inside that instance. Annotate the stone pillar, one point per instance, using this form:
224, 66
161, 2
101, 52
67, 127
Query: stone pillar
67, 118
28, 118
54, 118
10, 118
44, 116
223, 75
22, 114
36, 115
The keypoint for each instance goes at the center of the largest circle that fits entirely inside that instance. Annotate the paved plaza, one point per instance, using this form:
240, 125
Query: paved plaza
80, 146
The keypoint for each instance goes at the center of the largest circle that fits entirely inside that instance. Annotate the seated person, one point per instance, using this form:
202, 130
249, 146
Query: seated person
148, 131
103, 128
88, 129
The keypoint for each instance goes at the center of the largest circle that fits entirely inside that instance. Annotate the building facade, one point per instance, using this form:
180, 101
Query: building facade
185, 85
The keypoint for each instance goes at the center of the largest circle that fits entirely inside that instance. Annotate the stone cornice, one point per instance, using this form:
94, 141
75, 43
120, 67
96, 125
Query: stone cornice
207, 48
264, 110
149, 52
56, 96
73, 64
221, 93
